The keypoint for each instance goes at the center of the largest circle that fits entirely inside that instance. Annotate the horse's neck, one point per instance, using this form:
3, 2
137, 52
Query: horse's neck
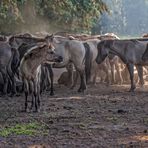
28, 41
35, 64
119, 51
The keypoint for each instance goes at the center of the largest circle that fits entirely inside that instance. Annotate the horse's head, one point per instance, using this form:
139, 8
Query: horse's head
52, 56
54, 39
102, 52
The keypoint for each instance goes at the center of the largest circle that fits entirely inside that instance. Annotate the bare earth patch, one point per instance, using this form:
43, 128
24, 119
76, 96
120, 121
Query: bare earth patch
103, 117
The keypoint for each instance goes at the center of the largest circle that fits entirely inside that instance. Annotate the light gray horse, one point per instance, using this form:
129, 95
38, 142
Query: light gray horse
130, 51
75, 52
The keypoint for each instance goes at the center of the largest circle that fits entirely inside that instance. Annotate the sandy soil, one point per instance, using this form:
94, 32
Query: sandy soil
103, 117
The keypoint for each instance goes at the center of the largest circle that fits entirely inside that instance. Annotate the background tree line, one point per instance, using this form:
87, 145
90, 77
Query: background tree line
127, 17
38, 15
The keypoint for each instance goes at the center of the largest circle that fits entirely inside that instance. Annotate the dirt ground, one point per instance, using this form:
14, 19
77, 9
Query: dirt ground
103, 117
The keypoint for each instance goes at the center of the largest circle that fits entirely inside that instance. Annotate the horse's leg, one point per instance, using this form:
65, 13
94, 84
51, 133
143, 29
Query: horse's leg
70, 71
119, 73
96, 69
11, 74
13, 84
51, 80
43, 79
38, 94
106, 70
75, 79
112, 73
126, 71
31, 86
82, 81
131, 72
5, 78
35, 95
26, 90
140, 74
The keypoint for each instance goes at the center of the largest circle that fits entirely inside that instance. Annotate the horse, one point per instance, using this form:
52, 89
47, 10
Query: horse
8, 56
72, 51
112, 62
23, 43
30, 70
130, 52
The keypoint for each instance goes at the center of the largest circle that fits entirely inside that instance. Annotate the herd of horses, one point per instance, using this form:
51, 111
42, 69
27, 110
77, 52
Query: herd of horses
27, 61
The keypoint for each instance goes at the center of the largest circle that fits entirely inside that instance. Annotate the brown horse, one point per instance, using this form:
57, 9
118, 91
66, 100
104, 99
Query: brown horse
30, 69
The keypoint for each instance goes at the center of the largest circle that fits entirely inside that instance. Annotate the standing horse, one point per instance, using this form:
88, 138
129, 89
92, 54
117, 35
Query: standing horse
112, 61
30, 69
72, 51
130, 51
23, 43
8, 56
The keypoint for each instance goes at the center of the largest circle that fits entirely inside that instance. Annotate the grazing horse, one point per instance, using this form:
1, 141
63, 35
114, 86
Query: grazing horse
30, 69
72, 51
130, 51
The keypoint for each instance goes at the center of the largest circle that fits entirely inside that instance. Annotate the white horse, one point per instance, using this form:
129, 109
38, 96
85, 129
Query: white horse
75, 52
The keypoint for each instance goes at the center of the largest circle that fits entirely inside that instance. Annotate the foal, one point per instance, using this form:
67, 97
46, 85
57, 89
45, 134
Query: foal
30, 69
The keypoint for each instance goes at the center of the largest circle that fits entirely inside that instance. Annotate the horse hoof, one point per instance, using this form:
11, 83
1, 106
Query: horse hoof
25, 110
51, 93
11, 95
17, 95
79, 90
131, 90
36, 111
71, 88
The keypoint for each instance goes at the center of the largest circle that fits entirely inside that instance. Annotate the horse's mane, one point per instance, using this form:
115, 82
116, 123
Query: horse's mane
11, 39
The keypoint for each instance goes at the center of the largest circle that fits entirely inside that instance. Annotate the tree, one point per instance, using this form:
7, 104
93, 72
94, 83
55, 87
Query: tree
126, 17
71, 15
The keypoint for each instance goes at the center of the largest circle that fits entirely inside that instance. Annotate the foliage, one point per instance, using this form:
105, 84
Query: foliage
9, 15
127, 18
48, 14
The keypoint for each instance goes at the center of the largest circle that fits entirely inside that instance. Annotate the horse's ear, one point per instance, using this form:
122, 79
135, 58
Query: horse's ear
49, 38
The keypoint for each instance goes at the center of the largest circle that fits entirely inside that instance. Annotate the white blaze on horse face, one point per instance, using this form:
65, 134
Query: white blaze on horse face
51, 48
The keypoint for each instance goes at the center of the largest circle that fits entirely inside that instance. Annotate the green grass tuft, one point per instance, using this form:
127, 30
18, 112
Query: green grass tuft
21, 129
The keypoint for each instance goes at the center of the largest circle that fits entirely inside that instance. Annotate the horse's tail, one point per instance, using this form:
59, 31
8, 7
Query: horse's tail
88, 61
15, 60
13, 63
145, 54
